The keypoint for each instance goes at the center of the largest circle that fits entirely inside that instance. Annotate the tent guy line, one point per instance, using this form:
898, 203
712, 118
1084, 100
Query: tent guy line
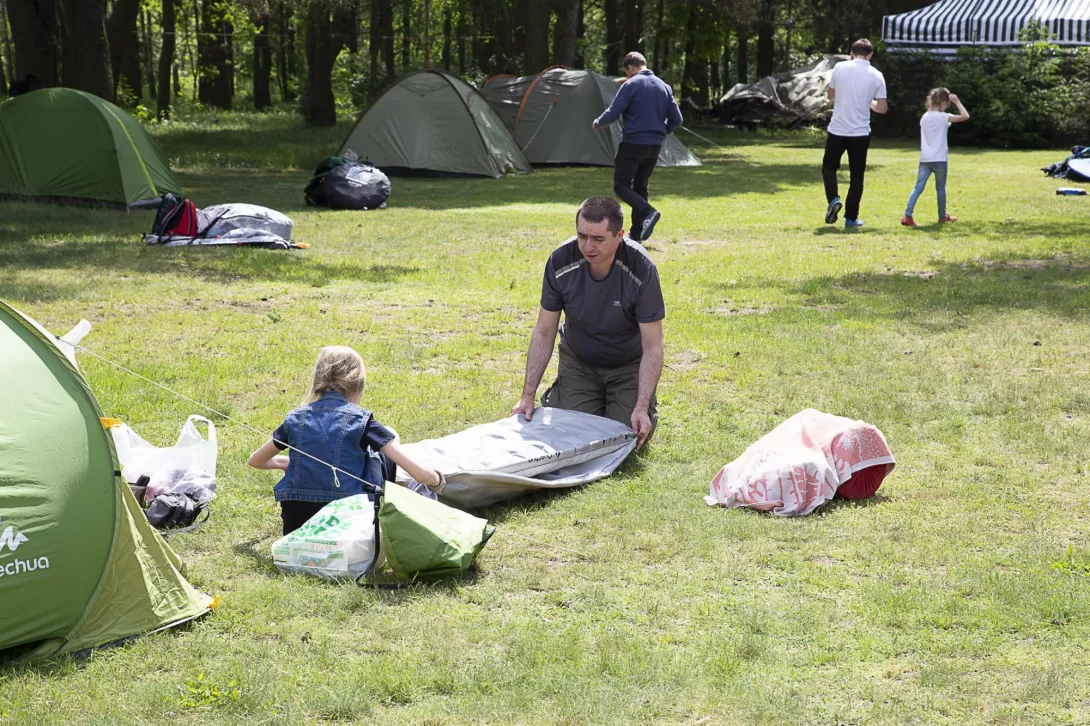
737, 156
243, 424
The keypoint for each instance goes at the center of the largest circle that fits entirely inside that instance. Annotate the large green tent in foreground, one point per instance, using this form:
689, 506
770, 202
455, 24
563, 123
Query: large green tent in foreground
79, 564
68, 145
432, 122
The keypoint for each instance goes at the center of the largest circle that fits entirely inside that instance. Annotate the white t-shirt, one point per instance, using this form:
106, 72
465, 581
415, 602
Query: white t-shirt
857, 83
933, 128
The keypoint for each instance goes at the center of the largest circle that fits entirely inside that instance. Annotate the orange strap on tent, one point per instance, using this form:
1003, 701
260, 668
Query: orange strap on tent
530, 90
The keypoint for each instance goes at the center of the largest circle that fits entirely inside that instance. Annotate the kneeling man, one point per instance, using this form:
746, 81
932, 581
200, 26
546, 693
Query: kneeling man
611, 344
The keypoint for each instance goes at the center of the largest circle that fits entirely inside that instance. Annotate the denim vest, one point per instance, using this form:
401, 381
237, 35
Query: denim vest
330, 429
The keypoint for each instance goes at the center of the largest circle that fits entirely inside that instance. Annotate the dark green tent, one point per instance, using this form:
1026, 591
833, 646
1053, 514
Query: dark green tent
432, 122
68, 145
550, 115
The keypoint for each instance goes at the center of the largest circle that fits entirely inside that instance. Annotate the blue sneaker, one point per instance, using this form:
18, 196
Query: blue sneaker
832, 210
852, 223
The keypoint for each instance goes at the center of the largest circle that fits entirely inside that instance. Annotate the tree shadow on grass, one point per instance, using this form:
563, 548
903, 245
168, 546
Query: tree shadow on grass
225, 264
1058, 284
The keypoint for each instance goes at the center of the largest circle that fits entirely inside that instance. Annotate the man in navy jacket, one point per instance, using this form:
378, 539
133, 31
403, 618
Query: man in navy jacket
647, 106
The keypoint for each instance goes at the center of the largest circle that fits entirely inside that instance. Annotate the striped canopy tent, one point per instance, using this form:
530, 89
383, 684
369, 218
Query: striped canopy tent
950, 24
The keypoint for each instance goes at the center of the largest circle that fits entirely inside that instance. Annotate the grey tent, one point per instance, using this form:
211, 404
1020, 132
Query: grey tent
501, 460
550, 115
945, 26
794, 98
430, 121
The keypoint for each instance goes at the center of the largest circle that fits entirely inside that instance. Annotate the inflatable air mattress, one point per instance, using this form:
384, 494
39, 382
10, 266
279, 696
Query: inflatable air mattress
501, 460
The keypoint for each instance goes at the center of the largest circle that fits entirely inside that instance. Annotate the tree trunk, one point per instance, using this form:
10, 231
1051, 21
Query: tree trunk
461, 37
716, 89
323, 45
537, 36
214, 53
448, 32
148, 51
694, 77
36, 35
194, 47
613, 39
281, 49
581, 32
85, 52
726, 63
5, 46
427, 33
566, 33
658, 33
766, 48
125, 58
166, 60
386, 32
262, 64
406, 29
743, 56
483, 42
633, 26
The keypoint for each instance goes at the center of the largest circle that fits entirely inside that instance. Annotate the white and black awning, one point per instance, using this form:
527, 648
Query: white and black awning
950, 24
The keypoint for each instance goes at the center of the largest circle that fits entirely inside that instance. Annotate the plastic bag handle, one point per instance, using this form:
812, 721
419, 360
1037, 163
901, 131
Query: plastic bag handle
211, 427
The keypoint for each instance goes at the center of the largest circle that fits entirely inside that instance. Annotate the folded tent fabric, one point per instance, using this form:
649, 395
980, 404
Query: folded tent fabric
501, 460
800, 465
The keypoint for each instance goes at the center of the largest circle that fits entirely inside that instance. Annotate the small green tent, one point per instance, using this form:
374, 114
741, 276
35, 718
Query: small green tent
79, 564
430, 121
68, 145
550, 115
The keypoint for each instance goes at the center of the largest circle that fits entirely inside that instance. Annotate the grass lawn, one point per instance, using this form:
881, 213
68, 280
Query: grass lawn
959, 594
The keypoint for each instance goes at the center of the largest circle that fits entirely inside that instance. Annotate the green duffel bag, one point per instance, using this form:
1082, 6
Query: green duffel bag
424, 539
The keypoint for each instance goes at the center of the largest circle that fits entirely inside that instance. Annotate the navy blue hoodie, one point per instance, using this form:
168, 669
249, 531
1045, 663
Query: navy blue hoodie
648, 108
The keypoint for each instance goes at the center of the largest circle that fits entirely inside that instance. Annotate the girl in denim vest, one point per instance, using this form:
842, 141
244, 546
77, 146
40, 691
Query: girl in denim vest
331, 426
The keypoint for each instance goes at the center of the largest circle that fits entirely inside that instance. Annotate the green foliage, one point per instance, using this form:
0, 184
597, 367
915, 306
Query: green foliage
200, 693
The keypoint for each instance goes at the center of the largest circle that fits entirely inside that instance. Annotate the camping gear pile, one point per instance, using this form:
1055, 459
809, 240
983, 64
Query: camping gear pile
1074, 168
80, 566
345, 182
803, 463
175, 483
504, 459
419, 538
943, 27
791, 99
434, 123
179, 223
64, 145
549, 115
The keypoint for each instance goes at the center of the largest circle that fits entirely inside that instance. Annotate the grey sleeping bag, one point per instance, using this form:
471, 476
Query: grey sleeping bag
498, 461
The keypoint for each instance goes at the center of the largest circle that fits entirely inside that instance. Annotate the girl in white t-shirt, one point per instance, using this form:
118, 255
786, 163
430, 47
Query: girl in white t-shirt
933, 152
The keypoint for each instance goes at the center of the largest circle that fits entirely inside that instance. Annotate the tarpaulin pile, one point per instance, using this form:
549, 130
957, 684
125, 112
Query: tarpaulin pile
795, 98
1075, 167
803, 463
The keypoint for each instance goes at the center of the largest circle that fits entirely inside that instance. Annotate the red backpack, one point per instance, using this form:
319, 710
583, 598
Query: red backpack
177, 217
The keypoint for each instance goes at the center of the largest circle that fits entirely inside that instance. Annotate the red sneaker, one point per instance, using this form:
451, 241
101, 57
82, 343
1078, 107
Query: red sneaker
907, 221
948, 218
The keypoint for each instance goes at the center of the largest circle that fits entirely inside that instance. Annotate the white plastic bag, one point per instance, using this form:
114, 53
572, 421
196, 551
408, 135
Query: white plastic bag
192, 452
336, 543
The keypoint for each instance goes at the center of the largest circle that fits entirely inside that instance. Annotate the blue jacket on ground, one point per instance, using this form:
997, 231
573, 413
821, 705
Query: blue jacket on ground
647, 105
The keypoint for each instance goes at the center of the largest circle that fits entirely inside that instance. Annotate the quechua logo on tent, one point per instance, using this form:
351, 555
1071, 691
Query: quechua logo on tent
11, 540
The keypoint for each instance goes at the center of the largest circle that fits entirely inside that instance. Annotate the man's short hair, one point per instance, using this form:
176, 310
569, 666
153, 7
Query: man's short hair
635, 60
597, 209
862, 48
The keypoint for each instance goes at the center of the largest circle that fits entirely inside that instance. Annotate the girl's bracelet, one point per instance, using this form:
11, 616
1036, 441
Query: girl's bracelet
442, 483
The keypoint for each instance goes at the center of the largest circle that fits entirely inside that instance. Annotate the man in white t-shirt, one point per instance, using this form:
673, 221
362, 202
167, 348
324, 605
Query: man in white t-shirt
855, 89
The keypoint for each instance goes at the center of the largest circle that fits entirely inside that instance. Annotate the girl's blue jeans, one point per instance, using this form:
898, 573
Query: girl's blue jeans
927, 168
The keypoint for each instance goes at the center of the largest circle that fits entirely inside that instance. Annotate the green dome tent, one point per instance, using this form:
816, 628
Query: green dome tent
550, 116
79, 564
68, 145
430, 121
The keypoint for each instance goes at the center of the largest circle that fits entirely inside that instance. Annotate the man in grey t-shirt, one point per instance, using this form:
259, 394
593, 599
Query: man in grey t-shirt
611, 344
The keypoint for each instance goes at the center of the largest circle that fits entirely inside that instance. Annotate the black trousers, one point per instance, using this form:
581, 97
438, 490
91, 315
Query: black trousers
857, 147
631, 171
